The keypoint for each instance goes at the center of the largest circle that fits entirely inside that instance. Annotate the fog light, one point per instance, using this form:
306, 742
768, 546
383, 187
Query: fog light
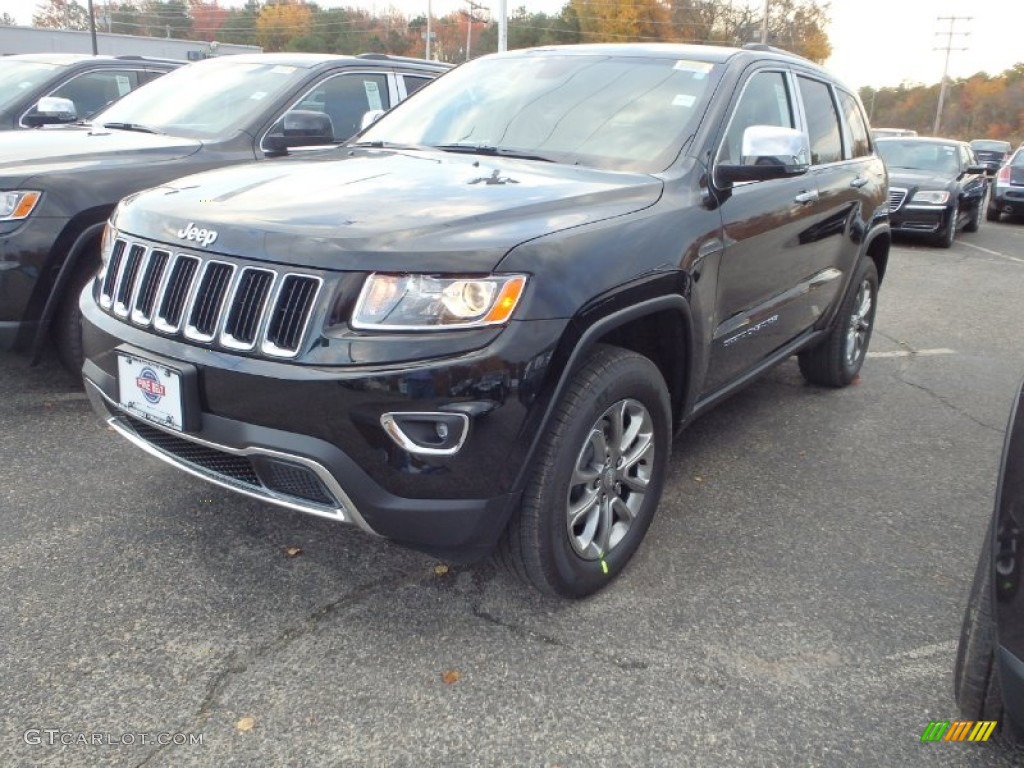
427, 433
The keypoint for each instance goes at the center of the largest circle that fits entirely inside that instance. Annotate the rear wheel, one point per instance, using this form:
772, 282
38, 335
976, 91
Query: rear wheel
596, 479
836, 360
991, 214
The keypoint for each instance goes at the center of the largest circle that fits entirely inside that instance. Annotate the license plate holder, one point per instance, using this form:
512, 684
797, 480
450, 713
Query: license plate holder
156, 391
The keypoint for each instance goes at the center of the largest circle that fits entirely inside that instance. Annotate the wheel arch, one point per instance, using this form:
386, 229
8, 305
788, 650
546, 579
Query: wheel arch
80, 239
653, 327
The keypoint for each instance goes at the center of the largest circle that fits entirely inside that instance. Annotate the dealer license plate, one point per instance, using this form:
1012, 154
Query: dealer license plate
151, 391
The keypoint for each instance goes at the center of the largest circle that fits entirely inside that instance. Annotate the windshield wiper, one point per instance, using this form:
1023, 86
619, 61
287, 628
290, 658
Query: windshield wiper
130, 127
485, 149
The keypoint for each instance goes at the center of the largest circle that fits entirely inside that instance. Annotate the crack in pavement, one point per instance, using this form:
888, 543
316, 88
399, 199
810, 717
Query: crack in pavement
286, 638
625, 664
946, 402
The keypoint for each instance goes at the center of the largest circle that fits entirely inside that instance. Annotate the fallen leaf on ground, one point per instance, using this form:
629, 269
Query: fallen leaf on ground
450, 676
246, 724
699, 479
293, 551
441, 569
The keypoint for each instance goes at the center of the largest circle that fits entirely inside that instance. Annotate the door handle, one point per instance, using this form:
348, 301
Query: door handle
806, 197
859, 182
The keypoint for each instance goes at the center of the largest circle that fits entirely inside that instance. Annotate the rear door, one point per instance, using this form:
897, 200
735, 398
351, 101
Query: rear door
776, 274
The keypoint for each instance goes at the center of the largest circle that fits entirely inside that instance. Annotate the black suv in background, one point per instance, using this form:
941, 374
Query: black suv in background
992, 154
480, 322
1006, 192
90, 83
57, 187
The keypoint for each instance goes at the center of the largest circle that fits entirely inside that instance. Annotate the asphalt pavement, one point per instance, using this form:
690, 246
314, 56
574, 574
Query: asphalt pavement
796, 603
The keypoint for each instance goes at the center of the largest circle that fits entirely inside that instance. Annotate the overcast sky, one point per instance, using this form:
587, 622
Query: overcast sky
874, 42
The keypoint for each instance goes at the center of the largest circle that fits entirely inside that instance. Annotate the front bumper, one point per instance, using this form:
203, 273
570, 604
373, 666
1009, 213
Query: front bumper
310, 438
919, 220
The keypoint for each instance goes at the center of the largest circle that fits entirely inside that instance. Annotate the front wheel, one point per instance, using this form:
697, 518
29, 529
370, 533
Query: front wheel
596, 479
992, 214
976, 671
67, 325
836, 360
975, 221
948, 235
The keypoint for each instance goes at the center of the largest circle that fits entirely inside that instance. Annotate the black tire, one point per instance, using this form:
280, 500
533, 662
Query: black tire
992, 214
830, 362
540, 545
976, 673
67, 325
946, 237
975, 221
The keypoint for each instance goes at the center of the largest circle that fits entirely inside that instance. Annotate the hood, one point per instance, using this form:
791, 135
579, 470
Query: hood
25, 153
384, 210
911, 179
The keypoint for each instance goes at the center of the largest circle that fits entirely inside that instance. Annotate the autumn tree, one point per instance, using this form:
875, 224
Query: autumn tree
280, 21
6, 20
207, 18
61, 14
623, 20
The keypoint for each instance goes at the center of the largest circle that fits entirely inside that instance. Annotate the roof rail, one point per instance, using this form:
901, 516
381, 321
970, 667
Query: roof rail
405, 59
770, 49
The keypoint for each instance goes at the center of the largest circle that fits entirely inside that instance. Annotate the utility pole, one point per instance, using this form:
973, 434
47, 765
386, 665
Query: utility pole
470, 18
948, 47
502, 25
429, 31
764, 24
92, 29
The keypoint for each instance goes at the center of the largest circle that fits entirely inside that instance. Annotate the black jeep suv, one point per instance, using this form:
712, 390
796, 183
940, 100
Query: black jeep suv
58, 187
480, 321
89, 83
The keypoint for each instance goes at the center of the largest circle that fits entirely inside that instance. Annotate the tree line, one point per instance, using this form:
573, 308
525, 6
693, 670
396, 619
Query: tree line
294, 25
981, 106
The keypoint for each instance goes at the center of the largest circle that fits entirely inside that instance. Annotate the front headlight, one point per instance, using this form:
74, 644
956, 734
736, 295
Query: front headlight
427, 302
15, 206
931, 197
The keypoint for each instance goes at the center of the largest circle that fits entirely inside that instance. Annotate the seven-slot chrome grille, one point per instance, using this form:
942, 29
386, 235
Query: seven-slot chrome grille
209, 300
896, 198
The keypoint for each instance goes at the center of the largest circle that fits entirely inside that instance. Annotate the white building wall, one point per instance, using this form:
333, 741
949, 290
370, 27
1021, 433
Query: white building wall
33, 40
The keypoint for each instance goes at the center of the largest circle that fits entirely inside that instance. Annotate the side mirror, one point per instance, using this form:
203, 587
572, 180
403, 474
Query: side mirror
300, 128
369, 118
51, 110
769, 152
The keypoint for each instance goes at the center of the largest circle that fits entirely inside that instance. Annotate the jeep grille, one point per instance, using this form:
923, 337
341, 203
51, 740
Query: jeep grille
209, 300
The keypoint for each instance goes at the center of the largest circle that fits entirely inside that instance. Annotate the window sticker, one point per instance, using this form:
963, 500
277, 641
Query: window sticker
683, 100
372, 94
259, 96
699, 69
282, 70
124, 85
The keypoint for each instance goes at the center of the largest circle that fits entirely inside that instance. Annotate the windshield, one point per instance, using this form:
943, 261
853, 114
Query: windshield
210, 99
1017, 161
19, 77
596, 110
920, 155
990, 146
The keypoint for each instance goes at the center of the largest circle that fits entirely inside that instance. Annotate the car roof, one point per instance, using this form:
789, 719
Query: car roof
919, 140
310, 60
67, 59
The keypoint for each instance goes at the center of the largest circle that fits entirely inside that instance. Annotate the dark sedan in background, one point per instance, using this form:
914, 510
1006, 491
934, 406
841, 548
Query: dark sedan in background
90, 83
936, 187
991, 153
988, 678
1007, 191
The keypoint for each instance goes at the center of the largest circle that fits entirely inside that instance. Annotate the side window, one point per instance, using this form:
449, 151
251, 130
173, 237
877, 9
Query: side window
822, 121
92, 91
966, 159
765, 101
414, 82
346, 98
855, 129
